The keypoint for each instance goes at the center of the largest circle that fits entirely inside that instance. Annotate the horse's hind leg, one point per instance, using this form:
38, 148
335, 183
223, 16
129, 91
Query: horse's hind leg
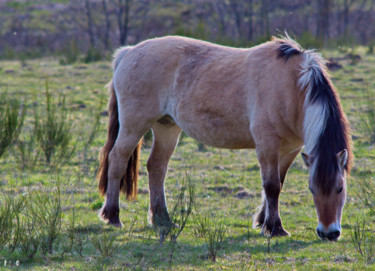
124, 147
164, 142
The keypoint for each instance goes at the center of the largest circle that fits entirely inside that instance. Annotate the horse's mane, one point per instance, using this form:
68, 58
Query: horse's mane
326, 129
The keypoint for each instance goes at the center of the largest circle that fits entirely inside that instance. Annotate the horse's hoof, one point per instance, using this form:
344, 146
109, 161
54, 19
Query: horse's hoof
110, 217
161, 220
274, 230
279, 232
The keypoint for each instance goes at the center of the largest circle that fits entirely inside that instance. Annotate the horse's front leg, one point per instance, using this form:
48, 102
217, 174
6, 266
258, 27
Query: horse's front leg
269, 164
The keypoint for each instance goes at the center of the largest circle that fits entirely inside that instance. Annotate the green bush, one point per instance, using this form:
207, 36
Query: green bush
105, 244
214, 237
366, 123
93, 54
70, 53
308, 41
11, 120
6, 220
26, 151
46, 208
366, 192
32, 222
53, 130
213, 233
371, 45
363, 242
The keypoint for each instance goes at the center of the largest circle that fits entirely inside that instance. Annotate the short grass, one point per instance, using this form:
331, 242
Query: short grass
220, 177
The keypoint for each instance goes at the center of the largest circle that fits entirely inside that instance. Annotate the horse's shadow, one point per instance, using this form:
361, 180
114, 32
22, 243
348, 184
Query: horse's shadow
155, 254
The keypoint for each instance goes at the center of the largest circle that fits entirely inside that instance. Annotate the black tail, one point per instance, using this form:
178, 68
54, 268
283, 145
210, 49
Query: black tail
129, 182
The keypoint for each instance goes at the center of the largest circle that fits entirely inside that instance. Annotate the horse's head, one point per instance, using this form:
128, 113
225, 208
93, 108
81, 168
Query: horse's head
328, 202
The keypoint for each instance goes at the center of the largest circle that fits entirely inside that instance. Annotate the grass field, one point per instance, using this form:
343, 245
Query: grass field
57, 226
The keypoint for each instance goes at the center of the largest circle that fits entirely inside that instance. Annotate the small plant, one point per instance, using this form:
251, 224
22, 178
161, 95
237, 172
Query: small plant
180, 212
308, 41
179, 217
214, 238
363, 242
53, 131
105, 244
47, 209
88, 138
18, 205
30, 237
182, 208
201, 147
366, 192
6, 220
70, 53
93, 54
371, 46
366, 123
11, 119
213, 232
68, 242
200, 227
26, 151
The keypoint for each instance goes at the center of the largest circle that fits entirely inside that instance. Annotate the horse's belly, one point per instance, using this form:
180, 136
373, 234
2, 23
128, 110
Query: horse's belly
219, 133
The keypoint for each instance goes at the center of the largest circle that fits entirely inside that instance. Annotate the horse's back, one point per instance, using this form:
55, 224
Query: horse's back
218, 95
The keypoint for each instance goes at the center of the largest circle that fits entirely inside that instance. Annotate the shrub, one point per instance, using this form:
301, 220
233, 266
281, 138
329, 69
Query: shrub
180, 212
46, 207
70, 53
93, 54
308, 41
200, 227
214, 238
26, 151
6, 220
18, 205
213, 232
363, 242
30, 237
53, 130
11, 119
105, 244
371, 46
366, 123
32, 222
366, 192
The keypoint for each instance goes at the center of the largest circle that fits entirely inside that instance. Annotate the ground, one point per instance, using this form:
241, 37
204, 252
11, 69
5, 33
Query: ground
227, 186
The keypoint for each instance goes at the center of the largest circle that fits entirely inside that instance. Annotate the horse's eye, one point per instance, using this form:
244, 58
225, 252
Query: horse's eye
340, 190
312, 191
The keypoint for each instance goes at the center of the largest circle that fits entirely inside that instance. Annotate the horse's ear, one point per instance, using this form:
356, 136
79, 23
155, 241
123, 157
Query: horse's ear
342, 157
306, 159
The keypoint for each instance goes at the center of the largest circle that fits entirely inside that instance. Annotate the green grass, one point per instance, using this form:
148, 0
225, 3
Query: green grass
218, 176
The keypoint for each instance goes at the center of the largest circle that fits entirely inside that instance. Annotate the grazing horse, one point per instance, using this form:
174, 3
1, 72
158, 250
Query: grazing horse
275, 97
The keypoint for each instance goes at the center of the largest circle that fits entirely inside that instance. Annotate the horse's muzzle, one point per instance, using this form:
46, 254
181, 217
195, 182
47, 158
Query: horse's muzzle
331, 236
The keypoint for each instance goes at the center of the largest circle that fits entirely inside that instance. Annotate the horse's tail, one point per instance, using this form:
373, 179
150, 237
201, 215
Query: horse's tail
128, 183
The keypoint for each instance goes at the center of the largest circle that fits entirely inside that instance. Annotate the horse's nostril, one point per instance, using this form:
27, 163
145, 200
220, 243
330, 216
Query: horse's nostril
320, 234
333, 236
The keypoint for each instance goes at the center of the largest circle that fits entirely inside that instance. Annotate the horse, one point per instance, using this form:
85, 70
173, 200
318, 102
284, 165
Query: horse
275, 98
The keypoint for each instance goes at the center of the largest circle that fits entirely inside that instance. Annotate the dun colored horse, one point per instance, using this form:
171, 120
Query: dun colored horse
275, 97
